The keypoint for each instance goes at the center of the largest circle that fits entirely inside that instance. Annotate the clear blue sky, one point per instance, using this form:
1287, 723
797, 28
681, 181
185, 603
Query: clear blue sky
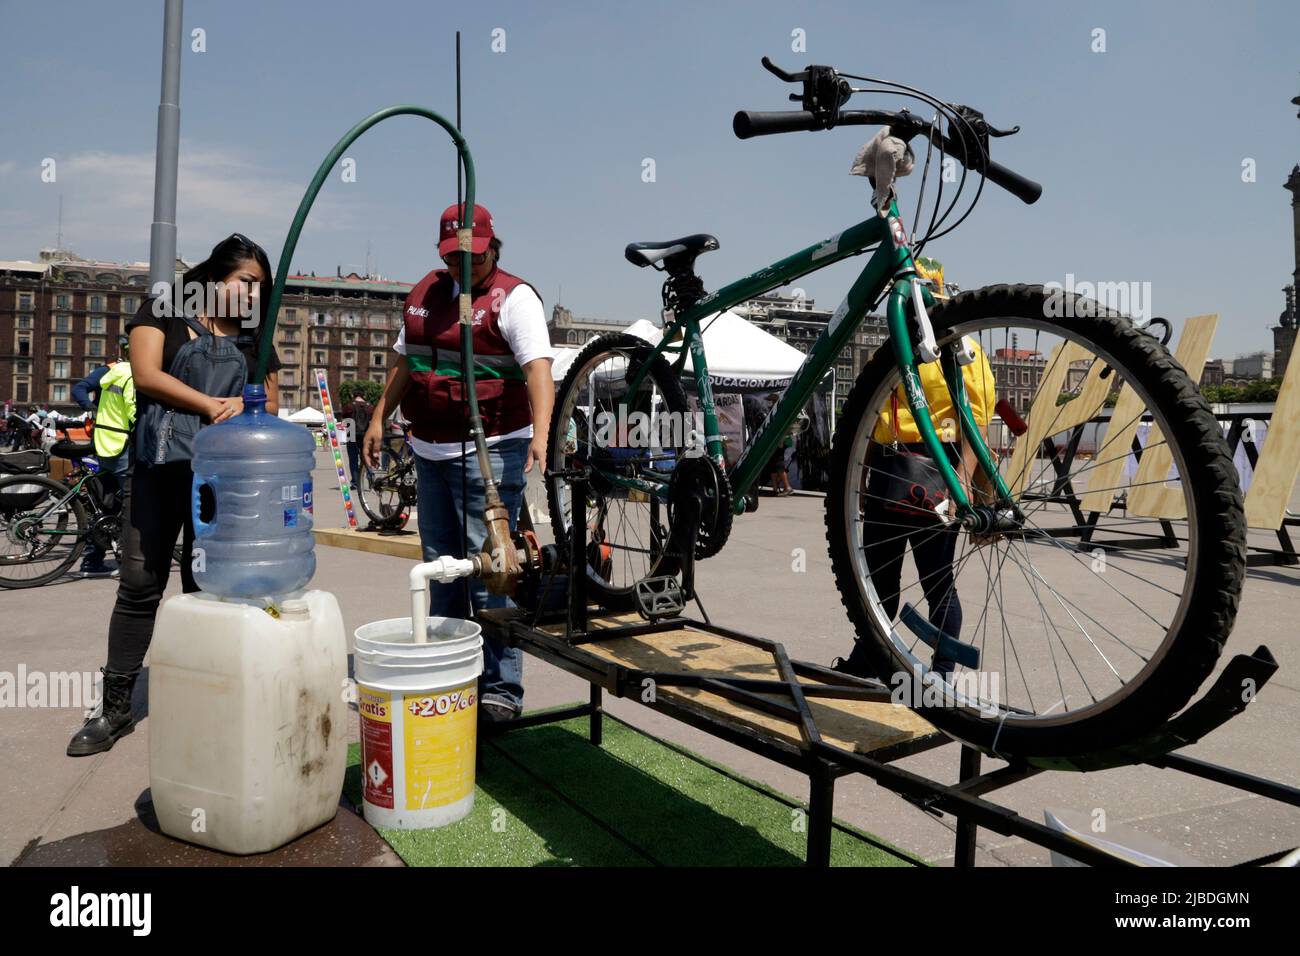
1139, 148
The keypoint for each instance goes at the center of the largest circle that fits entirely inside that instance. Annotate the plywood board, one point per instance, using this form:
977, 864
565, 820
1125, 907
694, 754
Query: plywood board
1279, 460
404, 545
860, 726
1043, 412
1153, 496
1107, 466
1084, 406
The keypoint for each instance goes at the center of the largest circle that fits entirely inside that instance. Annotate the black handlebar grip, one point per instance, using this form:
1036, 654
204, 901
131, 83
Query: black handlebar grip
747, 123
1024, 189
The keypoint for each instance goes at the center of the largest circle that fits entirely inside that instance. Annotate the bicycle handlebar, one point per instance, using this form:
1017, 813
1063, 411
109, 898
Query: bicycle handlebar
750, 123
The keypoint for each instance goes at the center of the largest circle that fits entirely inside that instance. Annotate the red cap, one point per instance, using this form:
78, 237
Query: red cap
451, 222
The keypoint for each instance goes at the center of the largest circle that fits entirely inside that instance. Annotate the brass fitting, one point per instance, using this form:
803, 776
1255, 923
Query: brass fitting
499, 559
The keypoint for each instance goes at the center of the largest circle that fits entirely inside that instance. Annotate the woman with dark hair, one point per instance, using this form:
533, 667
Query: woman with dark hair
191, 355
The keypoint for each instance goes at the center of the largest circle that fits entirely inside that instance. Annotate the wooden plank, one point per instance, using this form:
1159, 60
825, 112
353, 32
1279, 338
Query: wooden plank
855, 725
858, 726
1279, 460
1084, 406
1153, 496
404, 545
1108, 468
1042, 416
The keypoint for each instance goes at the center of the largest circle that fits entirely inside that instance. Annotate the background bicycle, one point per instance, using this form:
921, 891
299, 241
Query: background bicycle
387, 494
46, 524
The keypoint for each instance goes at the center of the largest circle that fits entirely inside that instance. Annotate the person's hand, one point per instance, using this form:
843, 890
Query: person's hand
536, 453
372, 444
223, 408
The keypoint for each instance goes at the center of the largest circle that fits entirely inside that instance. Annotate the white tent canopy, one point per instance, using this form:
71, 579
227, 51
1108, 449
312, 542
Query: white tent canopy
307, 416
740, 354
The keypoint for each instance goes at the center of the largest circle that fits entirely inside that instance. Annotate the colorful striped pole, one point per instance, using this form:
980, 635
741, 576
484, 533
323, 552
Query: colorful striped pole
331, 430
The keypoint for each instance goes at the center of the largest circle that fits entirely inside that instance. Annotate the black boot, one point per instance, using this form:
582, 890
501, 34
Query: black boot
856, 664
111, 721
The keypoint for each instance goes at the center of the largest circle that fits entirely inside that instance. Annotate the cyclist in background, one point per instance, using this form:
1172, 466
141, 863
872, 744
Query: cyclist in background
109, 392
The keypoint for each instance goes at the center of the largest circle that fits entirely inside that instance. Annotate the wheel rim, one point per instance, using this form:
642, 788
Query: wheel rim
627, 529
1069, 606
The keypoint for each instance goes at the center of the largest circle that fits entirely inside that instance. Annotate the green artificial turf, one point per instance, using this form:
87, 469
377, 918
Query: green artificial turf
546, 797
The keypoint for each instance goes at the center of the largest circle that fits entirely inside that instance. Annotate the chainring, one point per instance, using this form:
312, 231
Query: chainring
704, 474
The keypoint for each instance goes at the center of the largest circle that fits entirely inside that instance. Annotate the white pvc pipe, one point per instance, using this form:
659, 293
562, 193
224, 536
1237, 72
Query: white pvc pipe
442, 570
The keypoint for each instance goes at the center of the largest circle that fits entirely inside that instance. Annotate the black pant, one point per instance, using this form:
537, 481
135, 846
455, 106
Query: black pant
933, 545
156, 509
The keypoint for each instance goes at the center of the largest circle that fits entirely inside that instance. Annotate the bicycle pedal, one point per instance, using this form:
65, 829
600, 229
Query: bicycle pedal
660, 597
948, 648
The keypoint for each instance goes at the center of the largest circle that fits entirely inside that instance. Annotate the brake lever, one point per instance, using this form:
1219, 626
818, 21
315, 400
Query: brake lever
998, 133
782, 74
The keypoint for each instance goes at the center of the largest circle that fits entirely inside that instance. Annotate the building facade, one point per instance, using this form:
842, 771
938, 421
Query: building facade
797, 321
568, 330
59, 320
344, 324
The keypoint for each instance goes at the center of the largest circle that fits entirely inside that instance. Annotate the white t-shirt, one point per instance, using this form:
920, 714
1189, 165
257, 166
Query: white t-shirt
523, 325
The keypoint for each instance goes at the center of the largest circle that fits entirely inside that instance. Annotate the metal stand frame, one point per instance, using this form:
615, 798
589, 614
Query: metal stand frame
824, 762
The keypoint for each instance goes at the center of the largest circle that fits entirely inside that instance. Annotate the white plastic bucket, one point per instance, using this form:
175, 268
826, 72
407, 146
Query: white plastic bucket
419, 720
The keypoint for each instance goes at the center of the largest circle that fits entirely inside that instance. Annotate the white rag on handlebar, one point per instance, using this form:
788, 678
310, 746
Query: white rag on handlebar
883, 160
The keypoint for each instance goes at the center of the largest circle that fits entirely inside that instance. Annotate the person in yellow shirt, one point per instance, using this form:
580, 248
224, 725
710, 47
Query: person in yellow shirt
905, 501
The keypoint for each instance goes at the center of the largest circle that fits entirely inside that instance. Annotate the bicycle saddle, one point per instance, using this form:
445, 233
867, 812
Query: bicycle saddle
676, 254
72, 449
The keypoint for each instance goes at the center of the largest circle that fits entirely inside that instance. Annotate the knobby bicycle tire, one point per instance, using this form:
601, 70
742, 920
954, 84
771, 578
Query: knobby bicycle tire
1215, 570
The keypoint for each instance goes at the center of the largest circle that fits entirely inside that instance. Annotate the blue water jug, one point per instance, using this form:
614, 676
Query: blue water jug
252, 504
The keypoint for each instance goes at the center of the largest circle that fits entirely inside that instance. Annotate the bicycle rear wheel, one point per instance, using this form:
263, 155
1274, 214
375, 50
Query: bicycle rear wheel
384, 493
1101, 615
595, 425
37, 547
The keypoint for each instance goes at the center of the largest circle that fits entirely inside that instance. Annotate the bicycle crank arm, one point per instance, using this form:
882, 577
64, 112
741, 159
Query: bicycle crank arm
946, 648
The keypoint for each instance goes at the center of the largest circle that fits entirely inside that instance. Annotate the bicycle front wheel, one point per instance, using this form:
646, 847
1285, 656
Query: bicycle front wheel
1100, 614
41, 534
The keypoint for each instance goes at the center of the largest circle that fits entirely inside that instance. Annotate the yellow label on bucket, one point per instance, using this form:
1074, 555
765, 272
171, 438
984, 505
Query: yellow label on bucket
441, 733
374, 704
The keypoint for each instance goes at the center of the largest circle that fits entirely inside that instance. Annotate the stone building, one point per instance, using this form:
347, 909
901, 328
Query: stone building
59, 320
344, 324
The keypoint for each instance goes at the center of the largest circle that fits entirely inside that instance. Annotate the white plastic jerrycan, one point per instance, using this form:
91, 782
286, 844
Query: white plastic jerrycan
247, 719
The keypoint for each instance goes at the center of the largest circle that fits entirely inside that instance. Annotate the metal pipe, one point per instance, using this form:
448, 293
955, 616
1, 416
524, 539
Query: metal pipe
506, 565
162, 233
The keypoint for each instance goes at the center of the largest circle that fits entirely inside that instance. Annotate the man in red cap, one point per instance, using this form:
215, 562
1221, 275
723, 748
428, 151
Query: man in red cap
512, 370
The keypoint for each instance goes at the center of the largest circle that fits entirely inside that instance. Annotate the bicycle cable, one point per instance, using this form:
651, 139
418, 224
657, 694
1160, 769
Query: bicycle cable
958, 124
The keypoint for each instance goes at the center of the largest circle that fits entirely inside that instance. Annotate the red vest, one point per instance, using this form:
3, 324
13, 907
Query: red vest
435, 402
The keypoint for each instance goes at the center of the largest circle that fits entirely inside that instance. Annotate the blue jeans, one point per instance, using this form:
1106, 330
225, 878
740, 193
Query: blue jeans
439, 508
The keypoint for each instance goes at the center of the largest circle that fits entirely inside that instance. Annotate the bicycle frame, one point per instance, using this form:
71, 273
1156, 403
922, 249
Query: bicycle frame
74, 491
890, 263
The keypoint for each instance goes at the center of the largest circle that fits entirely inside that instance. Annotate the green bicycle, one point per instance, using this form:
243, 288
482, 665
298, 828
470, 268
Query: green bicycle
1072, 632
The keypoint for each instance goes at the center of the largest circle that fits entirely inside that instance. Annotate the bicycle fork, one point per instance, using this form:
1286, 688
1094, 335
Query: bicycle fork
909, 292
